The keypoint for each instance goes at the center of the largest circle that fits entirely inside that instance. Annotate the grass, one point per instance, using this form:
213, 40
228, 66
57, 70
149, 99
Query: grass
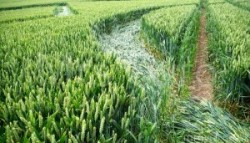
190, 121
26, 14
229, 55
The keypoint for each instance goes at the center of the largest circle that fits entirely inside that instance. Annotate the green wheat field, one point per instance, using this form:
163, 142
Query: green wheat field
78, 71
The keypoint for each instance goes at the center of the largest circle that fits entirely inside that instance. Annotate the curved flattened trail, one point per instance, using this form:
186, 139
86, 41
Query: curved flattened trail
201, 86
124, 42
65, 11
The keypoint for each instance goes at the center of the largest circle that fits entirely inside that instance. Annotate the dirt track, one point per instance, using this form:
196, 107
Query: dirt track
201, 87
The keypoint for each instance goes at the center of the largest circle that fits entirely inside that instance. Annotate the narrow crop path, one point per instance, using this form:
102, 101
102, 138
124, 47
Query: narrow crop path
201, 86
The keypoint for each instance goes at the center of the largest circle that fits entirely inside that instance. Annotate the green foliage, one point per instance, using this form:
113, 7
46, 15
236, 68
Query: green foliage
216, 1
174, 32
243, 4
229, 36
25, 14
21, 4
160, 26
203, 122
65, 92
58, 86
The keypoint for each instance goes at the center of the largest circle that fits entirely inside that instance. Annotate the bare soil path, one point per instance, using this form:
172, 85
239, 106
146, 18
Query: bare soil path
201, 86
